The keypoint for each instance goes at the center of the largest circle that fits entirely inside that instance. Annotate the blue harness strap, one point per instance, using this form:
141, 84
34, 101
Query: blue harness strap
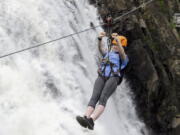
112, 65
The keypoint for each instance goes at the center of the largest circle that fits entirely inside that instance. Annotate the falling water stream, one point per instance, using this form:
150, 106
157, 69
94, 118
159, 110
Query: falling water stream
43, 89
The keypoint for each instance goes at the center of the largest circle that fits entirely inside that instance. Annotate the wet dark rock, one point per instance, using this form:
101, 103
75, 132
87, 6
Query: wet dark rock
154, 52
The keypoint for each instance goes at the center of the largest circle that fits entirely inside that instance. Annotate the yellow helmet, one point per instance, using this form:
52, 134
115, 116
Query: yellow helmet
123, 40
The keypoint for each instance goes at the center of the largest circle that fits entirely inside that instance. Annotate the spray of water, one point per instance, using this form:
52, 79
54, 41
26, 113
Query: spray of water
42, 90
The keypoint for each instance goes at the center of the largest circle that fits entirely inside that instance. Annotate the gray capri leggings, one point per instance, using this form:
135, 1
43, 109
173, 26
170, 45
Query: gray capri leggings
102, 90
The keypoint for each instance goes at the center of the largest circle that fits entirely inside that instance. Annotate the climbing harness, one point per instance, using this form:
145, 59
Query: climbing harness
70, 35
106, 62
110, 68
109, 22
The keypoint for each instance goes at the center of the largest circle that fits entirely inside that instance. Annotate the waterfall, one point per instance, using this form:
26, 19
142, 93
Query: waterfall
43, 89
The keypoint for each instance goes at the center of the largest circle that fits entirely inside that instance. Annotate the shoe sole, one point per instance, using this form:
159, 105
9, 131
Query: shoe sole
82, 121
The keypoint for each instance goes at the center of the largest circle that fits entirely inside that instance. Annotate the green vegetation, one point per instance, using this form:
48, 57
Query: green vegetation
163, 6
172, 25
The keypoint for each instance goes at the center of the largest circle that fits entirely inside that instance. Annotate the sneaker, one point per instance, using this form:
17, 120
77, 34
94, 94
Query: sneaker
85, 122
90, 123
82, 121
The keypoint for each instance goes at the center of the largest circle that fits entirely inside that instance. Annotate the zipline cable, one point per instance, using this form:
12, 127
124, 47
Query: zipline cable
45, 43
131, 11
70, 35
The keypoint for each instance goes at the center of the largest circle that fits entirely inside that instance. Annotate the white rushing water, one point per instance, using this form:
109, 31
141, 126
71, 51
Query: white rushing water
43, 89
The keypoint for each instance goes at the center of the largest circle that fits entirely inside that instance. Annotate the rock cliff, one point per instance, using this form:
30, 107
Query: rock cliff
154, 52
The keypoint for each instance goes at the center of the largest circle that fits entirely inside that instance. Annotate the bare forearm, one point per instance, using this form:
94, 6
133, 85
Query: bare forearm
100, 47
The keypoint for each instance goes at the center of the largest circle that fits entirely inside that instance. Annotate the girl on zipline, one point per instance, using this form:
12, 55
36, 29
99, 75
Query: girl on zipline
110, 76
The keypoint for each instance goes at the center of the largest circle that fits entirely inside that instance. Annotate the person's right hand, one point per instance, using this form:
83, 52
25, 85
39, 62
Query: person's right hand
102, 34
114, 35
